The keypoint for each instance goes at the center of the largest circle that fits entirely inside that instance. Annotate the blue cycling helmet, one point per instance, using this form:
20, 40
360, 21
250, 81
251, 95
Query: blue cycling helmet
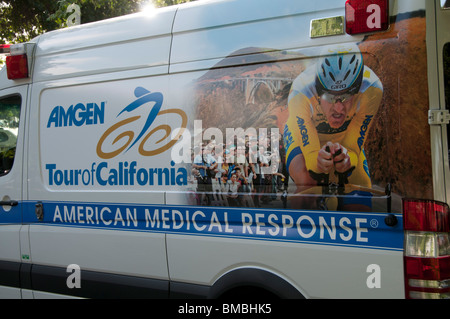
340, 70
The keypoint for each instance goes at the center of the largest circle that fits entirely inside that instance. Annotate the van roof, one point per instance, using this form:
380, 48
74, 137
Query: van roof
175, 35
194, 35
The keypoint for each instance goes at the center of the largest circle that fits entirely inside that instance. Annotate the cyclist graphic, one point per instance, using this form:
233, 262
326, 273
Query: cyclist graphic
331, 107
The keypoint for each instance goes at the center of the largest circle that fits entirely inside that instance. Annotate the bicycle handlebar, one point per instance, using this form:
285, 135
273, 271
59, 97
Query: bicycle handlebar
323, 179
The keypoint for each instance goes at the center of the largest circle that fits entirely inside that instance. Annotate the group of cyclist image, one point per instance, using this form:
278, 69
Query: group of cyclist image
331, 107
241, 174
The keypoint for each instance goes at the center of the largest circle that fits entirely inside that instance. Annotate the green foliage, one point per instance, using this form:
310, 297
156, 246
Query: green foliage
165, 3
95, 10
22, 20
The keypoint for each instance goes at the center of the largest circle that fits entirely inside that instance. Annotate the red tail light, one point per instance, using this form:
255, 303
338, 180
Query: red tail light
426, 216
363, 16
427, 249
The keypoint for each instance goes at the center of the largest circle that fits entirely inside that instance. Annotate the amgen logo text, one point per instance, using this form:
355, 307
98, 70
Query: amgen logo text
77, 115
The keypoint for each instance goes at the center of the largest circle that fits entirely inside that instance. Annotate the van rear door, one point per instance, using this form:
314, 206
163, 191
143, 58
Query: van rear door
443, 25
441, 96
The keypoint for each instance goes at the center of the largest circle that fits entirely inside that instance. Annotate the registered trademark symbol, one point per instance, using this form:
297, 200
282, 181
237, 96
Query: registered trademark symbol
374, 223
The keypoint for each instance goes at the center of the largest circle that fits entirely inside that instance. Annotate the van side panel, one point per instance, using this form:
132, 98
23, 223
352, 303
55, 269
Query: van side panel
304, 267
68, 179
99, 48
251, 84
224, 28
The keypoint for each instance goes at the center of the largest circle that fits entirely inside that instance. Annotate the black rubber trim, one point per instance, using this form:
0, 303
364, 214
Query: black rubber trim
98, 285
10, 274
253, 277
25, 276
188, 291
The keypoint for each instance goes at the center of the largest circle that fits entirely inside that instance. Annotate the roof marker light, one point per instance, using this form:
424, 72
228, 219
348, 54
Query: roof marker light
16, 60
17, 67
365, 16
17, 49
4, 48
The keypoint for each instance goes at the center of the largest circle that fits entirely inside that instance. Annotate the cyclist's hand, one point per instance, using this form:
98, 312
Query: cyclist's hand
341, 159
325, 158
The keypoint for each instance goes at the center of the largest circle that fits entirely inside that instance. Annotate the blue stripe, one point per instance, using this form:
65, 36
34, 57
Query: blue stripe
358, 197
365, 230
296, 151
12, 215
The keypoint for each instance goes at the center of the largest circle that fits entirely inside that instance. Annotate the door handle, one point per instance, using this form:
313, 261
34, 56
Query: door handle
9, 203
39, 210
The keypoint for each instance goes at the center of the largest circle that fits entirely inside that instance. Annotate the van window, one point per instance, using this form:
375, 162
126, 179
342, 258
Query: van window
445, 4
9, 128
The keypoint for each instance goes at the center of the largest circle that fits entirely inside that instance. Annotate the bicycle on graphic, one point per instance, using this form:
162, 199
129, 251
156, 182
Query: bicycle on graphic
338, 196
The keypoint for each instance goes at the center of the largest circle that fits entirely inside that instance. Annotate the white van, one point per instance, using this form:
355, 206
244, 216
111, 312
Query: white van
167, 154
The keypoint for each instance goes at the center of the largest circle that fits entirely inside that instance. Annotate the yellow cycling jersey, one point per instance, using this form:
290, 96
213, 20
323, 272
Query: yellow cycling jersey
307, 128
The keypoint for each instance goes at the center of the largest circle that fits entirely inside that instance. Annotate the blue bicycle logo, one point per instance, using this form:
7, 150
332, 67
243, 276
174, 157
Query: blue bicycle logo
144, 97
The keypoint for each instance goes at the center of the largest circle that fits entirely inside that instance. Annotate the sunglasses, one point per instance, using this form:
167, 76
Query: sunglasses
331, 98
